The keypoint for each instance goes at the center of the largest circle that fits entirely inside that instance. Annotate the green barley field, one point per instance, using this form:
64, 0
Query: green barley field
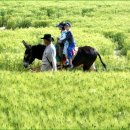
66, 99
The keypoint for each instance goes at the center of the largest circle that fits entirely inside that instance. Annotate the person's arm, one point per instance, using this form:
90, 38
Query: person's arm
53, 59
63, 36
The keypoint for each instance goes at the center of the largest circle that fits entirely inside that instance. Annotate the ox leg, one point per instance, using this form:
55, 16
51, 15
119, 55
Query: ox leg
85, 67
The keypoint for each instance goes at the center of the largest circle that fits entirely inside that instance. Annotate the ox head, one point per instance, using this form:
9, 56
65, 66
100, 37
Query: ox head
28, 55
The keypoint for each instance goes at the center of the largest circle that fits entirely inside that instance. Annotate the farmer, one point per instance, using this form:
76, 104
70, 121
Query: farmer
49, 55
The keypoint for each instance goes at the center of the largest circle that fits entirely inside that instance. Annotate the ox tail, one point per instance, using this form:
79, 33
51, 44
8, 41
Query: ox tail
104, 65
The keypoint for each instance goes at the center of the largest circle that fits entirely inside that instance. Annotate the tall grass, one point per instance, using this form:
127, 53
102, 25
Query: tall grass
65, 99
53, 100
95, 13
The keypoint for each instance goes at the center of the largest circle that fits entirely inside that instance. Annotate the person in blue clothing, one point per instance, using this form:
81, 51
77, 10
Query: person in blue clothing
70, 39
62, 40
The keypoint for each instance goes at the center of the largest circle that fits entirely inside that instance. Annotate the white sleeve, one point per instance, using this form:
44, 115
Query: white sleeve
53, 59
63, 36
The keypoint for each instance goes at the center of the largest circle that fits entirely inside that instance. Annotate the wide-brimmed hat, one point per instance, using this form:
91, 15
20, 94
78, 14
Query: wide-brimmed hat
48, 37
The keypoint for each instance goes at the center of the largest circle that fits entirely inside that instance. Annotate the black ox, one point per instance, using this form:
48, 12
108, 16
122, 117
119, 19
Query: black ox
86, 56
